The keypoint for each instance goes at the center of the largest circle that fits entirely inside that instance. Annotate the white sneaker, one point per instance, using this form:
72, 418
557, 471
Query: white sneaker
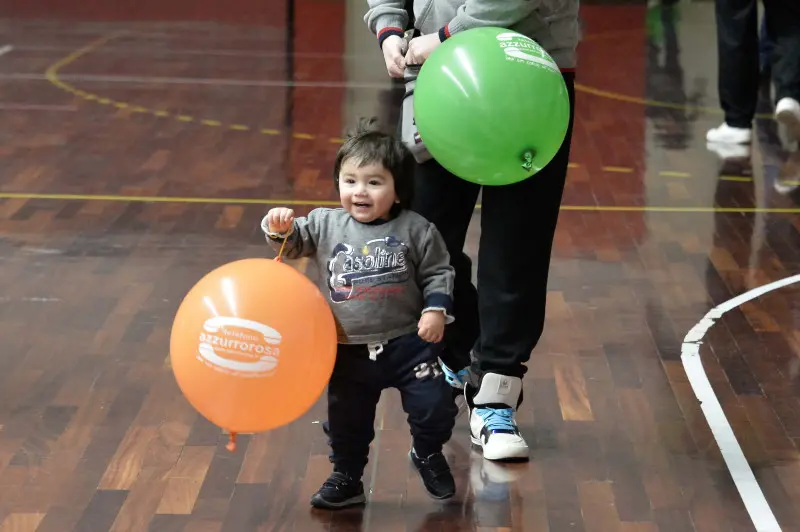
787, 112
494, 428
727, 151
730, 135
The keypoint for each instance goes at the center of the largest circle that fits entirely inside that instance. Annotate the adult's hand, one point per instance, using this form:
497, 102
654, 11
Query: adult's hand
419, 48
394, 49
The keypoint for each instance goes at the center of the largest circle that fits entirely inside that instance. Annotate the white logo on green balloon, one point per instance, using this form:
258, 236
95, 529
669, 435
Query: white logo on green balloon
522, 48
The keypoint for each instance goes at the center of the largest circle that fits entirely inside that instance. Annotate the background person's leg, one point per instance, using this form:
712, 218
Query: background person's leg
783, 25
737, 52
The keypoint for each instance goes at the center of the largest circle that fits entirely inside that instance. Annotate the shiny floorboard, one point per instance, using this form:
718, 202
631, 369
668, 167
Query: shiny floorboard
139, 150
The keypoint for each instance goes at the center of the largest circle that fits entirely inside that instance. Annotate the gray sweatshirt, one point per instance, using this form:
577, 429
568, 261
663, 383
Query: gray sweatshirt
551, 23
379, 278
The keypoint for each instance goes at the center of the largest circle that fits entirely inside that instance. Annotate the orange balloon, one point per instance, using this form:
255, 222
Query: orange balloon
253, 345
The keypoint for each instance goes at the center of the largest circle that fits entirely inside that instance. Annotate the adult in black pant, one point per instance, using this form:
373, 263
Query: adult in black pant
500, 321
738, 52
504, 317
765, 46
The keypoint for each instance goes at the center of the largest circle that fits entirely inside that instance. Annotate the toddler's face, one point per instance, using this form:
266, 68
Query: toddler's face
366, 192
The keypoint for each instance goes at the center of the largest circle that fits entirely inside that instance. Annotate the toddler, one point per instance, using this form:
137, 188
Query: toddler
387, 275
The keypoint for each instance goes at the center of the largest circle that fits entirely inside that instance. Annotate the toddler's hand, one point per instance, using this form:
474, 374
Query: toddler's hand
431, 326
280, 219
394, 50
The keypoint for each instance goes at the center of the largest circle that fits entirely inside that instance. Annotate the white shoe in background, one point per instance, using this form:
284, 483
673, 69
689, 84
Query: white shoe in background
787, 112
730, 135
727, 151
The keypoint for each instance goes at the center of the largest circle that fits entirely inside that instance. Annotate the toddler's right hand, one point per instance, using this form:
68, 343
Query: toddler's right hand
394, 52
280, 219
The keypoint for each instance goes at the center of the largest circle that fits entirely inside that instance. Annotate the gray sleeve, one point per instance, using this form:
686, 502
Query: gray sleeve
434, 273
500, 13
384, 14
302, 239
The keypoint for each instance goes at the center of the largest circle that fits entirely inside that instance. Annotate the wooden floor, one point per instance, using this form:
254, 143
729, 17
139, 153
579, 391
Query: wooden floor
139, 148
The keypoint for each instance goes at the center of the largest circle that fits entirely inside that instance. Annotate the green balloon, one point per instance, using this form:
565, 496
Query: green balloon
491, 106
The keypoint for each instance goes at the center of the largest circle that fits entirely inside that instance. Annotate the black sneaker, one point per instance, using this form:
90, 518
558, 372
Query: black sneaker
436, 475
339, 491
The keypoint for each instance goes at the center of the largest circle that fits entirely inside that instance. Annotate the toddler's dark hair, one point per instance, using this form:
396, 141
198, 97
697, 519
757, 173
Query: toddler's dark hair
366, 145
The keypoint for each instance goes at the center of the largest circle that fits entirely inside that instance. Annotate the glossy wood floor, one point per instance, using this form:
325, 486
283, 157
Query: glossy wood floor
139, 148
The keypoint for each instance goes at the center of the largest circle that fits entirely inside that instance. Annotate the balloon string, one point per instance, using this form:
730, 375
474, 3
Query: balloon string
279, 258
231, 446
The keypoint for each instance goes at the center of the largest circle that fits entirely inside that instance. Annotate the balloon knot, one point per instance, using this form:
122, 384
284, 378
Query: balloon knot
527, 160
231, 446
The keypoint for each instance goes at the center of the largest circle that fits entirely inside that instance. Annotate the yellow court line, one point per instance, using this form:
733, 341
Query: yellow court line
328, 203
667, 173
164, 199
618, 169
610, 95
52, 76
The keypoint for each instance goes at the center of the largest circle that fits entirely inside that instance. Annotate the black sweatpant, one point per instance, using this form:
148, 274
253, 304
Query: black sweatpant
783, 26
738, 52
503, 318
356, 387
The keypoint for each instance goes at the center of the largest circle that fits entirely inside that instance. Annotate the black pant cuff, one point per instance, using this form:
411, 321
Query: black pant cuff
424, 450
354, 472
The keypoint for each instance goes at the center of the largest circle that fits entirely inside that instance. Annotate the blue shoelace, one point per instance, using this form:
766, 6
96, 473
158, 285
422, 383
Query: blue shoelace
453, 377
496, 419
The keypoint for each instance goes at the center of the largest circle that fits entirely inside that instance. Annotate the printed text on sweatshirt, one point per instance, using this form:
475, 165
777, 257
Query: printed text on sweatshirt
379, 277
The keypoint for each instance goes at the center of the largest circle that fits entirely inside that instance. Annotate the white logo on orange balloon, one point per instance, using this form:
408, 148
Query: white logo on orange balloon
239, 347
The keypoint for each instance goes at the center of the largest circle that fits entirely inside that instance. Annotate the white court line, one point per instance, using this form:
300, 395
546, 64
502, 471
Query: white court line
749, 490
217, 82
5, 49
